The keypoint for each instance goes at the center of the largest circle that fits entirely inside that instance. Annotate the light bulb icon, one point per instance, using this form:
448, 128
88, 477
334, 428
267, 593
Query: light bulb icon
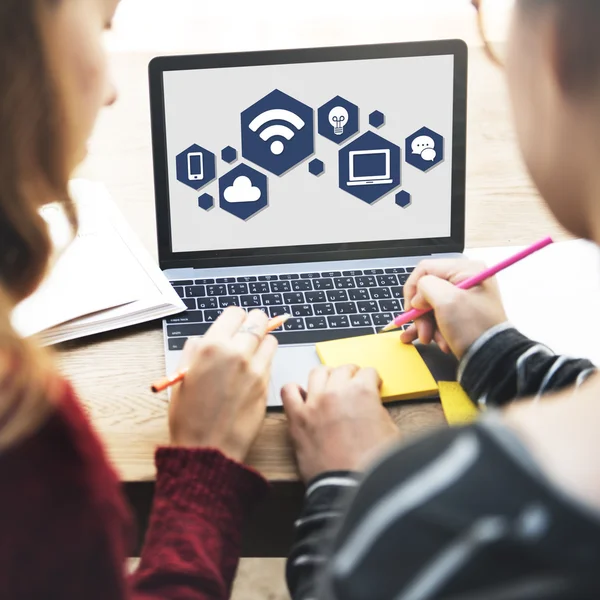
338, 117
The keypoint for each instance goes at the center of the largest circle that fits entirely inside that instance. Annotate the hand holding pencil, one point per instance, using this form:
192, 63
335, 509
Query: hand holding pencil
222, 401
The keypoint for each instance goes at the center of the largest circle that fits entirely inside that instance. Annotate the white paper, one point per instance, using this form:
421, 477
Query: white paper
553, 296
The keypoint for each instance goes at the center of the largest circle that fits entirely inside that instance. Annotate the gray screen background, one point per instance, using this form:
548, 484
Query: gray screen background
204, 106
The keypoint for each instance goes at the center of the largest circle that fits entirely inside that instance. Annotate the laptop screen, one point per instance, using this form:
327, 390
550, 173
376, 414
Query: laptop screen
305, 154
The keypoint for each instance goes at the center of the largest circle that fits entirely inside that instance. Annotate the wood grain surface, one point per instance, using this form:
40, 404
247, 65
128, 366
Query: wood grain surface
112, 372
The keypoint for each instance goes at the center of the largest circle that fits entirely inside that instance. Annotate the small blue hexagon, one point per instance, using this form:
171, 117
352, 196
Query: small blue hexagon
369, 167
376, 119
424, 149
316, 167
403, 199
206, 201
195, 167
278, 132
229, 154
243, 192
338, 119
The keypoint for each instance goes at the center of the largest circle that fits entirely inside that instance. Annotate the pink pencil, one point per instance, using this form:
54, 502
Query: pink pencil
413, 314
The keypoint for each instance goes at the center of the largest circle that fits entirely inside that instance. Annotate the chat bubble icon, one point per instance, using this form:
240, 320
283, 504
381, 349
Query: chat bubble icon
421, 143
428, 154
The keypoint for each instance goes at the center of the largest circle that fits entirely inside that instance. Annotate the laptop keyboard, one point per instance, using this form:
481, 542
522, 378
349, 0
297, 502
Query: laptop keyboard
324, 305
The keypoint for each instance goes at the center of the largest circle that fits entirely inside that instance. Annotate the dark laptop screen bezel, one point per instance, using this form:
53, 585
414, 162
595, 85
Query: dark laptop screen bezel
322, 252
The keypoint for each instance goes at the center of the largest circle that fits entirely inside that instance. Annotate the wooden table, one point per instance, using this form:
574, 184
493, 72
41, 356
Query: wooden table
112, 371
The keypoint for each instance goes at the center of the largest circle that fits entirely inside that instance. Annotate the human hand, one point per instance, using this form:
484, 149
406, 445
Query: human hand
221, 403
339, 423
459, 317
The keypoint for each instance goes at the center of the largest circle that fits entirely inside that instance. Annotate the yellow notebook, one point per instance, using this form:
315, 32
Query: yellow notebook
458, 408
404, 373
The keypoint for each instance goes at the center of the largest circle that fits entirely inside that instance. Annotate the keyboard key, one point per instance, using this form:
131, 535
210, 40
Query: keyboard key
193, 291
360, 294
187, 330
226, 280
302, 285
324, 309
225, 301
250, 301
360, 320
317, 323
294, 325
373, 271
280, 286
387, 280
268, 277
346, 308
190, 316
410, 269
320, 335
237, 289
190, 303
289, 276
245, 279
344, 283
309, 275
367, 307
313, 297
177, 343
337, 296
214, 290
392, 305
354, 273
272, 299
396, 270
398, 292
212, 315
259, 288
338, 322
179, 291
331, 274
302, 310
363, 282
208, 302
402, 279
380, 293
294, 298
323, 284
182, 283
204, 281
277, 311
381, 319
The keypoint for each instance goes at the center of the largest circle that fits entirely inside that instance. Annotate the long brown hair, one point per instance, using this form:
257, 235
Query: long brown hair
33, 171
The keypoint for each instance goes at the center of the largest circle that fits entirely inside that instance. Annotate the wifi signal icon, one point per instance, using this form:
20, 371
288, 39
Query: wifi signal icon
277, 132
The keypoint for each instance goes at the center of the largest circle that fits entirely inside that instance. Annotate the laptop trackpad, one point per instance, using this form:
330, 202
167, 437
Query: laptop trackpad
292, 364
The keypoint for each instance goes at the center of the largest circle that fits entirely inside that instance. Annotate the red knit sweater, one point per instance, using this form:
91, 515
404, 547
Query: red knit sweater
65, 529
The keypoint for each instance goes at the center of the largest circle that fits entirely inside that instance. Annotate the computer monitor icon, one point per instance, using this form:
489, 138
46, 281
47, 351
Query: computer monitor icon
369, 167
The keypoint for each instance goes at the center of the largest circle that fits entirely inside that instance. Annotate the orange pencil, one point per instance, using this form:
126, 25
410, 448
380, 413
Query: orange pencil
166, 382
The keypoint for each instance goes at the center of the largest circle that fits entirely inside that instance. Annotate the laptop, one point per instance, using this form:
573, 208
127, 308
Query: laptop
308, 182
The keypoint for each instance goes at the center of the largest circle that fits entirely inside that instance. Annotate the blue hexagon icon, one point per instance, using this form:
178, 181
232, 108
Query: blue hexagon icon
206, 201
195, 167
338, 120
316, 167
424, 149
369, 167
278, 132
403, 199
229, 154
376, 119
243, 192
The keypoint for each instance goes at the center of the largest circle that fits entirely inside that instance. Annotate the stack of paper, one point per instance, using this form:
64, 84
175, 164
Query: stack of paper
103, 280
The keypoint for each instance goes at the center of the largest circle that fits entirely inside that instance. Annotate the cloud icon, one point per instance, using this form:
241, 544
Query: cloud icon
242, 190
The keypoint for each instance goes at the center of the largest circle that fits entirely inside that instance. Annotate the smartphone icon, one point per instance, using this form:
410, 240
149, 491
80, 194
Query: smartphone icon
195, 166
